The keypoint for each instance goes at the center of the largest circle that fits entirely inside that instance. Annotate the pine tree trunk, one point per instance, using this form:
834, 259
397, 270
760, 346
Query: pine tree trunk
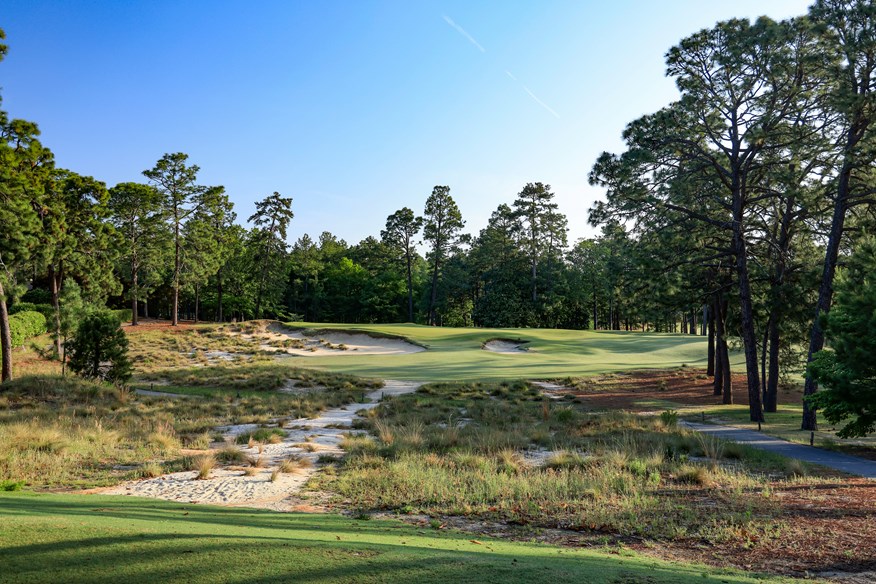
56, 310
771, 398
705, 320
174, 318
718, 326
595, 320
763, 359
219, 315
727, 384
410, 284
749, 341
710, 319
825, 292
5, 339
134, 293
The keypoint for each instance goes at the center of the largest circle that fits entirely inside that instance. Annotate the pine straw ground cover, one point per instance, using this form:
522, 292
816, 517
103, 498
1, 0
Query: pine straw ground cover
470, 451
689, 391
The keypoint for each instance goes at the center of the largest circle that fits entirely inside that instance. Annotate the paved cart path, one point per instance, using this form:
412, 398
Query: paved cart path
836, 460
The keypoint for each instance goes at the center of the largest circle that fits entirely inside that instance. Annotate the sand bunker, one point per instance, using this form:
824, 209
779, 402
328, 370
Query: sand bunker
308, 438
503, 346
278, 339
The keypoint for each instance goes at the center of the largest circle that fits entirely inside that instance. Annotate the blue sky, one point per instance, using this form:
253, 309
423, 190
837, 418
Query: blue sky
353, 108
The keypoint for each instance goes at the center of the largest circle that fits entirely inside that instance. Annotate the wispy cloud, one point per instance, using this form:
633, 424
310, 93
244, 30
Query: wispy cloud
541, 103
464, 33
472, 40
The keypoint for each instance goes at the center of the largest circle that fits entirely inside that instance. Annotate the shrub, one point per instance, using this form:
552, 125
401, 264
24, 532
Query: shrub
10, 485
24, 325
231, 454
123, 314
44, 309
99, 349
669, 418
262, 435
37, 296
203, 465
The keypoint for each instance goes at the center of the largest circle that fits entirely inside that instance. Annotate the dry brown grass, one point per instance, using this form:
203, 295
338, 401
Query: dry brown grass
203, 465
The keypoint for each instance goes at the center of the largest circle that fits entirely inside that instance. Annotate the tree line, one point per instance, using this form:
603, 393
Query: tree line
727, 215
759, 177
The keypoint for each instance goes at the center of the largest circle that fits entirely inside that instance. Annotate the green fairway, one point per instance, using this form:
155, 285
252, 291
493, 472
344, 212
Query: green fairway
76, 538
455, 354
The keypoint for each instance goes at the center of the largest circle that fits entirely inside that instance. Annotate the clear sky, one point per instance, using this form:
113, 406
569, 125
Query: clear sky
354, 108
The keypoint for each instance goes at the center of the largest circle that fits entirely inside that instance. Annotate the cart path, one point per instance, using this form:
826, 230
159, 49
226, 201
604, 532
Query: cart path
836, 460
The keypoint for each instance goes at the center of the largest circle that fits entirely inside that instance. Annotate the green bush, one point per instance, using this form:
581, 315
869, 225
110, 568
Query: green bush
44, 309
124, 314
24, 325
37, 296
99, 349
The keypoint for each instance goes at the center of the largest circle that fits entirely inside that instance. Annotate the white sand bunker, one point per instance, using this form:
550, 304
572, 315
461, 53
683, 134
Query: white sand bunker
303, 343
306, 438
504, 346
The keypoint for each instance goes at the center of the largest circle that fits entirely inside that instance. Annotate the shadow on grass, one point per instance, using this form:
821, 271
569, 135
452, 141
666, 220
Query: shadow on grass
110, 539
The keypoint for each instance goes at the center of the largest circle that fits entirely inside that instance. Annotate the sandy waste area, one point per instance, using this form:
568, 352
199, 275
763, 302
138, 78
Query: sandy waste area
308, 438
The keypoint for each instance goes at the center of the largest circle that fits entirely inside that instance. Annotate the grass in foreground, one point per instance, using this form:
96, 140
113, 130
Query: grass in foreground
69, 538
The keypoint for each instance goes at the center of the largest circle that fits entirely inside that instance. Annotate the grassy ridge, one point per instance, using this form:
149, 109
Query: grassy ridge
455, 354
69, 538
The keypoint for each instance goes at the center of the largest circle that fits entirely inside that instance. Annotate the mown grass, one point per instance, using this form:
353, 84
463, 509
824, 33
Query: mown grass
502, 452
69, 538
455, 354
69, 432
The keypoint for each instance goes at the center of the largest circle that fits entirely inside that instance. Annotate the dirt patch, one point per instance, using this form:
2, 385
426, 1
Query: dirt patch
824, 531
152, 324
625, 390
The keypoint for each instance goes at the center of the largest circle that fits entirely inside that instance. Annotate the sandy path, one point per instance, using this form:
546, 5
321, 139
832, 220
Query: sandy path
551, 390
232, 487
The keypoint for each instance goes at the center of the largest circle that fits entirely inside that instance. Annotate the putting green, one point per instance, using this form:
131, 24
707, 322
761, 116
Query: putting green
455, 354
99, 539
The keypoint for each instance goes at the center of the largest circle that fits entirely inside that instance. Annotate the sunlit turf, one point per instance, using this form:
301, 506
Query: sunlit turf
456, 354
69, 538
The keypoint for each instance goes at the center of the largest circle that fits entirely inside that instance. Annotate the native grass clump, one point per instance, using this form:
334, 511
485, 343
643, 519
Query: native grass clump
504, 452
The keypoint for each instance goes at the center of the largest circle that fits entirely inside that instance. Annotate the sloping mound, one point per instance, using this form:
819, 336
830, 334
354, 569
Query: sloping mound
307, 343
504, 346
